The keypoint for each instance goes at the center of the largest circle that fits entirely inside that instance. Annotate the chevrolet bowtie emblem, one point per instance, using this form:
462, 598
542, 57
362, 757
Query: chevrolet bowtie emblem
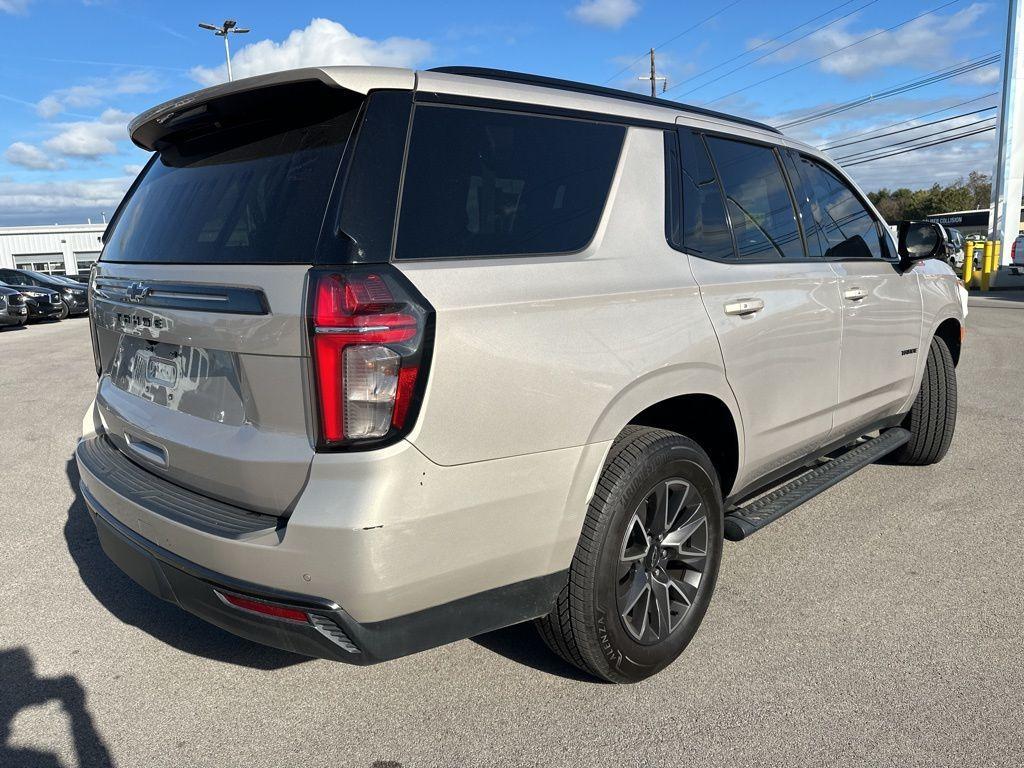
137, 292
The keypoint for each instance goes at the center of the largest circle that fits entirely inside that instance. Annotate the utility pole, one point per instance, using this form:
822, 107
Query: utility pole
230, 26
654, 77
1008, 179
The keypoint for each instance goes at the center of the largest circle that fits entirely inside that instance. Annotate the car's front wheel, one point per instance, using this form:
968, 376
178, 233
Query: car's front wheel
932, 418
647, 560
65, 311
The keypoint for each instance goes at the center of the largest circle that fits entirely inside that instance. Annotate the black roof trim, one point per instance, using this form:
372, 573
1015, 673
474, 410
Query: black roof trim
596, 90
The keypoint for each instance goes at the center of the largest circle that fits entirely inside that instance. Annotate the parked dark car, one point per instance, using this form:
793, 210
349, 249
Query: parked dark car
74, 298
42, 303
13, 307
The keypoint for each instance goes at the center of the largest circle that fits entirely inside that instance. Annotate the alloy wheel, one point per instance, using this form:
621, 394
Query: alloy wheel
662, 560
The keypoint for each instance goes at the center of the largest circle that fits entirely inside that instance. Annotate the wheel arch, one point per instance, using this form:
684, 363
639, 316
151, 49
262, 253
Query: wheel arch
693, 400
707, 421
950, 331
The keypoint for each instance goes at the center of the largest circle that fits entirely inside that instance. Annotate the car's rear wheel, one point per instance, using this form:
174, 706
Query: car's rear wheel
932, 419
647, 560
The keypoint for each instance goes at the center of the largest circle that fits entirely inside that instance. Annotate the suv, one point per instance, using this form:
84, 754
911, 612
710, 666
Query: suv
40, 303
13, 307
389, 358
73, 296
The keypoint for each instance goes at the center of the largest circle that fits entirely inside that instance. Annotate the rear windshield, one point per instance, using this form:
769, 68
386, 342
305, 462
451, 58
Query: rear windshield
248, 184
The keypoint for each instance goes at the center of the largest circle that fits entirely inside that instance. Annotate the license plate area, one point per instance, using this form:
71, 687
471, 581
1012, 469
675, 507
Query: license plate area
206, 383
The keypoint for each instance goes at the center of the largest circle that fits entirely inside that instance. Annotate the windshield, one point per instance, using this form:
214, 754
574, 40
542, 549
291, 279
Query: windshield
249, 188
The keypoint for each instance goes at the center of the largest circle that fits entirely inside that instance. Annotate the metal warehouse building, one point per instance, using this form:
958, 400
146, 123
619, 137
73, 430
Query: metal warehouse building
59, 249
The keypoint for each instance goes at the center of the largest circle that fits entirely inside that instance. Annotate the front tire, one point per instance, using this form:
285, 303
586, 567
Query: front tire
647, 560
932, 419
65, 311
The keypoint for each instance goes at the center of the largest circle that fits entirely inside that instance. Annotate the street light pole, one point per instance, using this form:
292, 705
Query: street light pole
230, 26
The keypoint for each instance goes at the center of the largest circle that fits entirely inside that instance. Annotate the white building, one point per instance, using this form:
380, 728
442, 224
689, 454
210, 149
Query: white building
58, 249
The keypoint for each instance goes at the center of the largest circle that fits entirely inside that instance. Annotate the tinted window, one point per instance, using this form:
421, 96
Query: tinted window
802, 193
844, 227
760, 207
253, 189
481, 183
704, 228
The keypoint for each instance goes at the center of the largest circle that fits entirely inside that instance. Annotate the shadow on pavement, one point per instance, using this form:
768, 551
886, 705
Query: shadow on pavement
134, 605
22, 688
522, 644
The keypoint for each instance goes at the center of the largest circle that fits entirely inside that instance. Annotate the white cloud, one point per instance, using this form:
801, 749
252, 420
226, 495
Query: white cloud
931, 42
605, 13
132, 170
322, 43
94, 92
17, 7
984, 76
942, 165
90, 138
59, 201
31, 157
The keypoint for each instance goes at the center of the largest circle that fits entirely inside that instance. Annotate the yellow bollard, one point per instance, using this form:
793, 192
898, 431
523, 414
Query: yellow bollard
968, 274
986, 265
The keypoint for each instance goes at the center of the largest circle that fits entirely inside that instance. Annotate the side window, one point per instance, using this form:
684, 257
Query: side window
704, 227
846, 228
802, 192
758, 200
489, 183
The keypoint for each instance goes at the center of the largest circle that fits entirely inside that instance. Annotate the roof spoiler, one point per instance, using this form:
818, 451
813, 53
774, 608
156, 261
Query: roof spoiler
147, 128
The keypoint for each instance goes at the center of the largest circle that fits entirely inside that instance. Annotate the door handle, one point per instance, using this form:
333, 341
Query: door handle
855, 294
744, 306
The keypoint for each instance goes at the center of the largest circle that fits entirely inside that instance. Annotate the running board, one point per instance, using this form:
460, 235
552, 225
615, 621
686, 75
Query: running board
745, 520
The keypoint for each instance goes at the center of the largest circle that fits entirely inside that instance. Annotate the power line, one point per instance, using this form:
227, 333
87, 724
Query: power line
838, 50
830, 144
911, 128
674, 38
921, 146
910, 85
780, 48
864, 152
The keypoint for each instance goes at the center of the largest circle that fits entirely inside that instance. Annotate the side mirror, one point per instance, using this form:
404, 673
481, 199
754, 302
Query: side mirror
920, 240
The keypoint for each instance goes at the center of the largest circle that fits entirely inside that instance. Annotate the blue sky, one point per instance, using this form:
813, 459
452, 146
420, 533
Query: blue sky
73, 73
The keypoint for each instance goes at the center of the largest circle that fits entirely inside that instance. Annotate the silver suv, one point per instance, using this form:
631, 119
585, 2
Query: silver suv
389, 358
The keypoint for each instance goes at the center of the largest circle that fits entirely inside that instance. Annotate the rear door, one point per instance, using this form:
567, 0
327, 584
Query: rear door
776, 312
882, 316
198, 298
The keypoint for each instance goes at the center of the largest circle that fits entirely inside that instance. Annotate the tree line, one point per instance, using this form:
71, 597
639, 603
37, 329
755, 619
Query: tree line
968, 194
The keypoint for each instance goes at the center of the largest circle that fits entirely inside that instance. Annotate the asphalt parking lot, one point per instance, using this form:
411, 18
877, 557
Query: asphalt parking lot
880, 624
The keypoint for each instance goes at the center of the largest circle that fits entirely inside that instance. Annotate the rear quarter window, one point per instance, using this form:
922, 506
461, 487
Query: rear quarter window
490, 183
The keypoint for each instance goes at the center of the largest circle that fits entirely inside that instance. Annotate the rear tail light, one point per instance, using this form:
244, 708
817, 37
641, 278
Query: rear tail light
370, 344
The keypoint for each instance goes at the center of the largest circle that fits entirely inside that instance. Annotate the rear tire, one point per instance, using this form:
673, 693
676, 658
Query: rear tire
647, 560
932, 419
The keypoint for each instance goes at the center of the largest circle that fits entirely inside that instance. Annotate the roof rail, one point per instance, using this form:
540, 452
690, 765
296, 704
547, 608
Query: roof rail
595, 90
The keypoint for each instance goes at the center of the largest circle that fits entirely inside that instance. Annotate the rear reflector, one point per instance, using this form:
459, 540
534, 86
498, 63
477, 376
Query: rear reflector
267, 609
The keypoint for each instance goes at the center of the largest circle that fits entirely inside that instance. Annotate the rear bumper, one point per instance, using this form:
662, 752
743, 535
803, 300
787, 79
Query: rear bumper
330, 633
195, 589
391, 589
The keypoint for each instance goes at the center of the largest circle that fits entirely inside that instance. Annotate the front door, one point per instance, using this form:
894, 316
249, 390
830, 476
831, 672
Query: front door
881, 304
